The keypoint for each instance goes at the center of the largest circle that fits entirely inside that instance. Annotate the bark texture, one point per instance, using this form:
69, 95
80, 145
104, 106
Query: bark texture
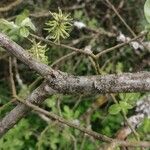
67, 84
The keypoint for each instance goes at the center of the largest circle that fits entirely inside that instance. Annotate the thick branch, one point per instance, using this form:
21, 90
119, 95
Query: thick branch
65, 83
127, 82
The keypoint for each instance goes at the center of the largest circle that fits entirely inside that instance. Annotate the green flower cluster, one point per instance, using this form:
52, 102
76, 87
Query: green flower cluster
38, 51
60, 26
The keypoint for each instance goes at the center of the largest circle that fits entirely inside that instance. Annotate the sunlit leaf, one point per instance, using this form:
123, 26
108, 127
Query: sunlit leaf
114, 109
24, 32
28, 23
147, 10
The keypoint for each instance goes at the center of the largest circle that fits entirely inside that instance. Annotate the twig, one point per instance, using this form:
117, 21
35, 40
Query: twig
124, 22
36, 97
7, 104
47, 14
120, 45
63, 46
64, 83
10, 6
82, 129
17, 75
63, 58
13, 87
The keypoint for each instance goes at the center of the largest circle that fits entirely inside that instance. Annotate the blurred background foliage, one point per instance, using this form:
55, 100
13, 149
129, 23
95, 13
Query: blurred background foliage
37, 132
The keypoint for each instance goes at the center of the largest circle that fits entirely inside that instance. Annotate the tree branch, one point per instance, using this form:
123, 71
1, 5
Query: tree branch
68, 84
37, 97
10, 6
92, 133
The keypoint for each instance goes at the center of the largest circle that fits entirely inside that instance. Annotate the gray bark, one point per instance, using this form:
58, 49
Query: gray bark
68, 84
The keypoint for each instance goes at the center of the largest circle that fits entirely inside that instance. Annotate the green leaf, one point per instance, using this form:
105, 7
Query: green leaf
93, 23
51, 101
68, 113
67, 109
39, 52
147, 10
4, 24
21, 17
78, 14
130, 98
114, 109
28, 23
125, 105
146, 125
24, 32
119, 67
